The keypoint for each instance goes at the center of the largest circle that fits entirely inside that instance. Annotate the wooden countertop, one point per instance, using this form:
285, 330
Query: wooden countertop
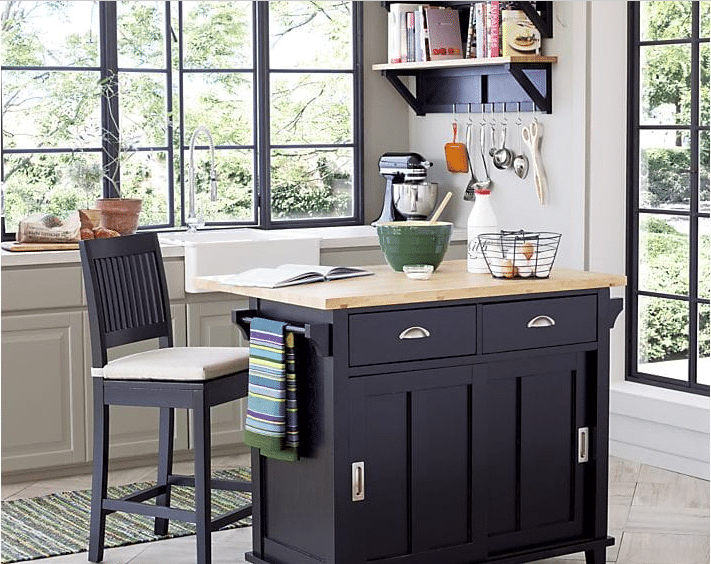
450, 281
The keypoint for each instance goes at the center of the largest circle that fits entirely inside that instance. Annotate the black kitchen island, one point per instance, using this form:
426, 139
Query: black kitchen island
457, 420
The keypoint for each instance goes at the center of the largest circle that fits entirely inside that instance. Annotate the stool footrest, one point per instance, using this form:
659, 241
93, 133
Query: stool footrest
144, 494
111, 505
231, 485
227, 518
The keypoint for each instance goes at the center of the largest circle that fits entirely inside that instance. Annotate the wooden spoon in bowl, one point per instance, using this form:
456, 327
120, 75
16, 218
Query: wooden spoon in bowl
440, 209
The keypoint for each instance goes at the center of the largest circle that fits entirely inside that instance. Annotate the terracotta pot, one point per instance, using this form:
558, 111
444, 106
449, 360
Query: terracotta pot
120, 214
90, 218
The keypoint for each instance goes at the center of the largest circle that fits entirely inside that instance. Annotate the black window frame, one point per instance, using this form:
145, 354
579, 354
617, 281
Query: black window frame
633, 210
261, 71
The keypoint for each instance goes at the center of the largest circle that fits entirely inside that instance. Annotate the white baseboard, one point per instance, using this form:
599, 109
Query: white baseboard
660, 427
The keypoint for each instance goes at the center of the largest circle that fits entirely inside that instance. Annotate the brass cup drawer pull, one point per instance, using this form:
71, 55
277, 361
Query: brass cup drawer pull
541, 321
415, 332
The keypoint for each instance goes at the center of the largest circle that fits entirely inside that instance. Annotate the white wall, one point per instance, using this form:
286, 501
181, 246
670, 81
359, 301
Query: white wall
584, 155
562, 151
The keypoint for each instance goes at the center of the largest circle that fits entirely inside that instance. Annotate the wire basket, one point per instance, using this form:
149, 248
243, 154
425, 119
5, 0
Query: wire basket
519, 254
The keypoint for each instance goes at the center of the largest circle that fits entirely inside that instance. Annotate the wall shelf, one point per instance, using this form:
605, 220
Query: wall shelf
496, 84
502, 83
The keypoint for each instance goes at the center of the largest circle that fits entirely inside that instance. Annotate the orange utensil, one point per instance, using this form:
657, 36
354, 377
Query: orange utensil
456, 153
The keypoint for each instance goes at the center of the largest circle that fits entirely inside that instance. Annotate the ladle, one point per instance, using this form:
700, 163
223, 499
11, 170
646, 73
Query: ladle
440, 209
469, 192
520, 162
483, 184
503, 157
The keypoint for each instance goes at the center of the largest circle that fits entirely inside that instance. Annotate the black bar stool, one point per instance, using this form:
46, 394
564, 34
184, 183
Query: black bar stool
127, 297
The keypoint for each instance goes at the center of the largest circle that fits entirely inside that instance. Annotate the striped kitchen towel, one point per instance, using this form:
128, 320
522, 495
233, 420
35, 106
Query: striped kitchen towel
271, 424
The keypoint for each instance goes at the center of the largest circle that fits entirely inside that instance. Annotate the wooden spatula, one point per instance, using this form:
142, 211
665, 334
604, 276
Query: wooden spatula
456, 153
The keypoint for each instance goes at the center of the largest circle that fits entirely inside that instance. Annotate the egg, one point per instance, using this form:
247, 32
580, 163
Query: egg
527, 250
525, 269
496, 266
508, 268
543, 271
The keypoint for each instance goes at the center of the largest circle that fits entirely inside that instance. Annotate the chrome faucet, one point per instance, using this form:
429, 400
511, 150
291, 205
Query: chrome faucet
192, 221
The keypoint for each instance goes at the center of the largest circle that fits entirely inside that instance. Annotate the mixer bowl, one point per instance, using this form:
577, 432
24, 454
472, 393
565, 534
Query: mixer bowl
415, 200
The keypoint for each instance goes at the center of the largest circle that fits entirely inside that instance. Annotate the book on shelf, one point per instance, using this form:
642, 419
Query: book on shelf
480, 29
289, 275
470, 45
494, 28
518, 34
397, 31
445, 37
419, 32
410, 37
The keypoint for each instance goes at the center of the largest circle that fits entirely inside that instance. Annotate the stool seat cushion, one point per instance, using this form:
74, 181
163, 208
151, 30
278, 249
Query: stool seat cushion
177, 363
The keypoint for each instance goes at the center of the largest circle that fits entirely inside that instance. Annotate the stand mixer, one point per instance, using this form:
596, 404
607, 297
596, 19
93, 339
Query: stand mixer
407, 194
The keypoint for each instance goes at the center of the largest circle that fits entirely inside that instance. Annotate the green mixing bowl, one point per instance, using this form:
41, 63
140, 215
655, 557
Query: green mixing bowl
414, 242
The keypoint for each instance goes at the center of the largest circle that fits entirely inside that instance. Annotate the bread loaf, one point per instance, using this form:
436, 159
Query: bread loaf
86, 233
103, 233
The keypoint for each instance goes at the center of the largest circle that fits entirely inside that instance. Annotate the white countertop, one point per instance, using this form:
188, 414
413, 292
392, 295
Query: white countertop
343, 237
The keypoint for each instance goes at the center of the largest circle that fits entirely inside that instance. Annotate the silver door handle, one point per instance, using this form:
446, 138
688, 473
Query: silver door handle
415, 332
583, 444
541, 321
358, 481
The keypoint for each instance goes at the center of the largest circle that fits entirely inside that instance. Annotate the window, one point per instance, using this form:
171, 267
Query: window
668, 331
103, 98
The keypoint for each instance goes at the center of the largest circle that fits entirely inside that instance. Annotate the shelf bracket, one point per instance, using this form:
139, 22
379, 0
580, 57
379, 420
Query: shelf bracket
542, 102
543, 23
404, 91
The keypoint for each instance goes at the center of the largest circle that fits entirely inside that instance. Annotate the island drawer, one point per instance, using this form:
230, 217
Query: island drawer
539, 323
412, 334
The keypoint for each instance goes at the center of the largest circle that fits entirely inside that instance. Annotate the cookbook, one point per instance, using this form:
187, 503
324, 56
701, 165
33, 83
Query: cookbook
290, 275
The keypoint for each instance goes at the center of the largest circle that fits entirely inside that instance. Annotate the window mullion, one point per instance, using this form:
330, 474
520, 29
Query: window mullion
633, 88
261, 64
170, 153
694, 197
110, 133
181, 102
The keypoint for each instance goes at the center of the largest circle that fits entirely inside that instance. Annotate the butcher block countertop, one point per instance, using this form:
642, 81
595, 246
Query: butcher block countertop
450, 281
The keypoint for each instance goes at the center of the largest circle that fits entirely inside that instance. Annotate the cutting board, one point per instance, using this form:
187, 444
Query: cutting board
22, 247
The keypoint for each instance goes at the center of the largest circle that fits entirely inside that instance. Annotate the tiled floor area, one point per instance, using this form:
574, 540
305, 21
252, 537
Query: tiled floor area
656, 517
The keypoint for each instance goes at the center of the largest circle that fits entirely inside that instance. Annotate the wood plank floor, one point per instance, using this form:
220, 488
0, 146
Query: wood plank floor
656, 516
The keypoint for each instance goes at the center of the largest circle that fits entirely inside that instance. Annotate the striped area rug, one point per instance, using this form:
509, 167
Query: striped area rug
56, 524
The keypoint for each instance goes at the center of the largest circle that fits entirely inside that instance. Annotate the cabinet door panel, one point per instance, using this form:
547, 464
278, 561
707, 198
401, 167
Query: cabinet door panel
535, 482
441, 473
210, 325
413, 431
547, 450
42, 395
502, 456
386, 420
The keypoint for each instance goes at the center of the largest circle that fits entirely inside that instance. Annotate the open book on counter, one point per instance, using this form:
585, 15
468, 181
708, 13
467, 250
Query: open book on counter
290, 275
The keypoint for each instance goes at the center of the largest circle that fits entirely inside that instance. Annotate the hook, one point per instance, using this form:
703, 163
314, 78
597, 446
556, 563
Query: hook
469, 113
519, 121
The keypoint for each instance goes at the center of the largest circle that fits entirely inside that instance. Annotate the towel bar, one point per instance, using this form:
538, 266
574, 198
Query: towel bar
318, 333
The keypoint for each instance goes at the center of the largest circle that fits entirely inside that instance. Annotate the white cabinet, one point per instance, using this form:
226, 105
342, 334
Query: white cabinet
133, 431
42, 390
210, 325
